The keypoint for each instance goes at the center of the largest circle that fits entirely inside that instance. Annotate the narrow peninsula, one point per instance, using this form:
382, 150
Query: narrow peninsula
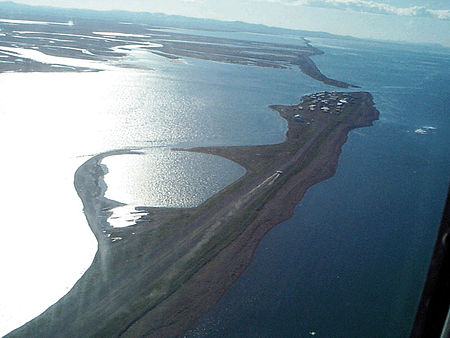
158, 277
104, 44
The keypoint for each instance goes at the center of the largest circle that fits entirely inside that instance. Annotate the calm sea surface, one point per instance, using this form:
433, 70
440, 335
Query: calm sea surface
350, 262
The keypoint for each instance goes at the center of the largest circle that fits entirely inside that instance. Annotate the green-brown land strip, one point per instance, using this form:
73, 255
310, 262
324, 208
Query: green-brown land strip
174, 265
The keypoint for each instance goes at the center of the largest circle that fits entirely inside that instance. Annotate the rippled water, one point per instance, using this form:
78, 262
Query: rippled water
352, 260
50, 123
164, 178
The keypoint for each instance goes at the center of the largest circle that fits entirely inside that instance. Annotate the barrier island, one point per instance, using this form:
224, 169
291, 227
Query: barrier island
158, 277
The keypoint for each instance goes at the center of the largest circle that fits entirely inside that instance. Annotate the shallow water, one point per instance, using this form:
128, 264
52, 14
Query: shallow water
53, 122
160, 177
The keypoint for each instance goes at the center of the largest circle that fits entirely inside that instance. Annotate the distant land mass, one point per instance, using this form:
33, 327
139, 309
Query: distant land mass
75, 35
11, 9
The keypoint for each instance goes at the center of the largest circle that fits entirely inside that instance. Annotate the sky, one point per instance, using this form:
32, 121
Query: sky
399, 20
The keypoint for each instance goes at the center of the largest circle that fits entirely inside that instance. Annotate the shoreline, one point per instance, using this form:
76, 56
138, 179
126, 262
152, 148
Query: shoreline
203, 298
308, 67
22, 51
167, 271
90, 186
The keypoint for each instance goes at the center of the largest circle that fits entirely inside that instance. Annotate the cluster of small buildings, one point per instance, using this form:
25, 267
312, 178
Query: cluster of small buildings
326, 102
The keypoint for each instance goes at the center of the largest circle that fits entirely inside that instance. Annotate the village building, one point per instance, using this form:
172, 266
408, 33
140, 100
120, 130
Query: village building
299, 118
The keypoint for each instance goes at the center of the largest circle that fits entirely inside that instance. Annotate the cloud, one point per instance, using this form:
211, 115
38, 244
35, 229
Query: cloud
369, 6
443, 14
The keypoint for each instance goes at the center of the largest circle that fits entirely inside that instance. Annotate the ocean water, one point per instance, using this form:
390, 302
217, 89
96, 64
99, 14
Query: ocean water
51, 123
352, 260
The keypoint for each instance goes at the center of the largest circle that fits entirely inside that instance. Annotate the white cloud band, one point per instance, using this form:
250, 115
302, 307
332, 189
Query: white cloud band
369, 7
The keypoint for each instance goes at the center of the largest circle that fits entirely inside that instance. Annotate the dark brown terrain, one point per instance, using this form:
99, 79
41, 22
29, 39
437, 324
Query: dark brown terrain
165, 272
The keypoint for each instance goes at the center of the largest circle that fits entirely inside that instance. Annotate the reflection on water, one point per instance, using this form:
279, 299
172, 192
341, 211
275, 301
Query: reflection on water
160, 177
53, 60
164, 178
51, 123
35, 22
125, 215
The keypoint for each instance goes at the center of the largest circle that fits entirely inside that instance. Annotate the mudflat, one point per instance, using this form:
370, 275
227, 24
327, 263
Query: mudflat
98, 45
158, 277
